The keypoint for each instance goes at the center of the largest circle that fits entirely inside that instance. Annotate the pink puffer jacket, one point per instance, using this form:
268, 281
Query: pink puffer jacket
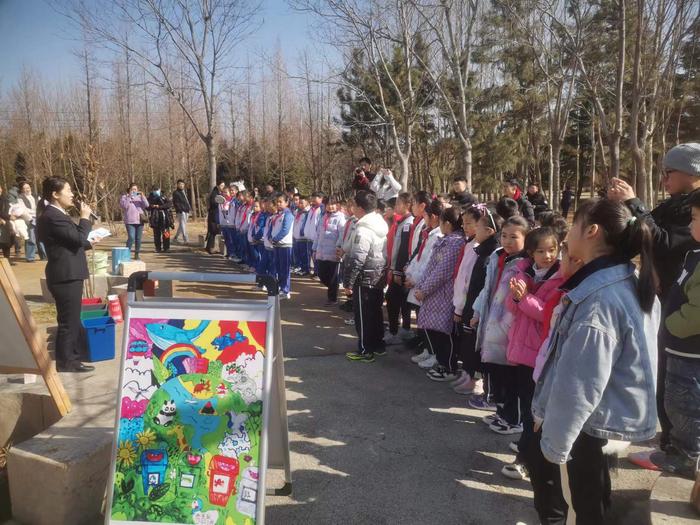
525, 335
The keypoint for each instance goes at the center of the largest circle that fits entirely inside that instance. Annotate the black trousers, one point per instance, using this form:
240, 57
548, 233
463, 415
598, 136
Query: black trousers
504, 387
664, 420
584, 481
471, 359
369, 321
526, 390
212, 231
161, 238
444, 346
328, 275
397, 306
6, 251
70, 330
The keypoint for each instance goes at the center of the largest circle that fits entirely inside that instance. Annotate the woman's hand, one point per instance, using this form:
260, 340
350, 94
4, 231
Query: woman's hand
419, 295
85, 211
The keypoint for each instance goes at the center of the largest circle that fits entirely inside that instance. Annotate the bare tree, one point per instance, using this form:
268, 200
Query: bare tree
199, 34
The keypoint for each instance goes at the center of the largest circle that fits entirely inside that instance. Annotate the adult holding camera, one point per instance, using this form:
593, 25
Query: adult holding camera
363, 175
160, 219
67, 268
134, 206
384, 185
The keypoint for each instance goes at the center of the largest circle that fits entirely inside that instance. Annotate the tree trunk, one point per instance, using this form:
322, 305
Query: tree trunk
467, 156
211, 159
551, 172
555, 173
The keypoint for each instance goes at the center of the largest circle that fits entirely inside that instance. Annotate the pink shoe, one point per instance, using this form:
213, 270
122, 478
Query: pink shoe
466, 388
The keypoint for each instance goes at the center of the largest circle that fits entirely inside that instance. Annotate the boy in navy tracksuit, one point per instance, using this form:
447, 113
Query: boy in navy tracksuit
281, 236
267, 258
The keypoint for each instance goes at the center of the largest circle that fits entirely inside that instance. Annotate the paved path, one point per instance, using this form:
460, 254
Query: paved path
373, 443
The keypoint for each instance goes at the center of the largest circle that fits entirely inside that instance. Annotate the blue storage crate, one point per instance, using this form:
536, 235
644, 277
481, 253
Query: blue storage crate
119, 255
100, 338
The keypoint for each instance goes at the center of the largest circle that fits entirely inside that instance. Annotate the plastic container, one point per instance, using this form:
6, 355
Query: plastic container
98, 262
100, 338
91, 301
119, 255
94, 314
92, 307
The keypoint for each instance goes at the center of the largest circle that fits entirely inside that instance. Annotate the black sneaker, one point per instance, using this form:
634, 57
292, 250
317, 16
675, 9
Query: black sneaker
357, 356
379, 352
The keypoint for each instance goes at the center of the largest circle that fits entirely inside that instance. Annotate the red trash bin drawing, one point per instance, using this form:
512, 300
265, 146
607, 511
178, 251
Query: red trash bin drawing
223, 472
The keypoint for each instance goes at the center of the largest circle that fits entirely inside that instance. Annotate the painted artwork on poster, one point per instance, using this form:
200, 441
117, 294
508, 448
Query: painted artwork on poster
189, 433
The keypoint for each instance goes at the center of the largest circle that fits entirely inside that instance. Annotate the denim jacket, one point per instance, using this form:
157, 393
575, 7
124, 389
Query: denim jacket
600, 376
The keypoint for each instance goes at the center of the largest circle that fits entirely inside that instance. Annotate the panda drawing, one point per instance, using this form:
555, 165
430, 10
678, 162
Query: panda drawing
167, 413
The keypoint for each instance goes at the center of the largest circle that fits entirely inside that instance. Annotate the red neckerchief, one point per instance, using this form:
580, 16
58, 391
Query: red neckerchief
424, 237
254, 218
347, 228
390, 243
548, 311
501, 264
459, 262
276, 217
518, 194
413, 231
301, 212
325, 220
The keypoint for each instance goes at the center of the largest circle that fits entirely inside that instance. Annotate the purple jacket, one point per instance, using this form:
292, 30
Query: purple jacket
437, 283
132, 207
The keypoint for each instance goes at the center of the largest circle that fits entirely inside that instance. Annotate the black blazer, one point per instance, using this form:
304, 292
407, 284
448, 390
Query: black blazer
65, 244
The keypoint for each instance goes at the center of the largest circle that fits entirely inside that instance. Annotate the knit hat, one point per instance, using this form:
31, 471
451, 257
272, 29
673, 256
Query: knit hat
685, 158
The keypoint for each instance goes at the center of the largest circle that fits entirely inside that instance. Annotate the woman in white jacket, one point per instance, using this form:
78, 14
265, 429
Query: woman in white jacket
385, 186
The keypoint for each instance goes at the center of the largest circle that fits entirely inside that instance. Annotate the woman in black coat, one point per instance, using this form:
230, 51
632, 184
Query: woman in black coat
66, 269
160, 219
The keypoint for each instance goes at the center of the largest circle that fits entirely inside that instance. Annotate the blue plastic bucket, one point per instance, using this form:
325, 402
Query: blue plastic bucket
119, 255
100, 338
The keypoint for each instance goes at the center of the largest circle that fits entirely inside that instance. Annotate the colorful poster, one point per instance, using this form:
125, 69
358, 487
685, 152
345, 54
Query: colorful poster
190, 422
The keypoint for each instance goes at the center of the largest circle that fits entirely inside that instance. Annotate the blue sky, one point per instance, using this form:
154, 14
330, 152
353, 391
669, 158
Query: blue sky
32, 34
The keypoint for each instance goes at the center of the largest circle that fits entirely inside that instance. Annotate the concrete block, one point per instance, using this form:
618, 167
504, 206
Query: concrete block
670, 501
129, 267
59, 478
24, 415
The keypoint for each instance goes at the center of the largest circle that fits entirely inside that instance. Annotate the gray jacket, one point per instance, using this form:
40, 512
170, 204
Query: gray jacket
366, 261
600, 376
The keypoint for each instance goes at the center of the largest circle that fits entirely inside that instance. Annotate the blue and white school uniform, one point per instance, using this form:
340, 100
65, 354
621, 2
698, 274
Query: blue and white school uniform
301, 244
282, 235
259, 242
268, 256
227, 213
312, 222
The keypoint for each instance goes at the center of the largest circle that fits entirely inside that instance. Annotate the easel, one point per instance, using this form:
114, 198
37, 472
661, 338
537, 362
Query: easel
274, 433
23, 350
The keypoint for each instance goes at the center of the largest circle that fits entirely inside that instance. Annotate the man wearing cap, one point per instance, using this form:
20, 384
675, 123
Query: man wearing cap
672, 240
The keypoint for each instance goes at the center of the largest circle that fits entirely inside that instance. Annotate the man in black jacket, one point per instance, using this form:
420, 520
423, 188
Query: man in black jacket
537, 199
213, 215
672, 240
181, 203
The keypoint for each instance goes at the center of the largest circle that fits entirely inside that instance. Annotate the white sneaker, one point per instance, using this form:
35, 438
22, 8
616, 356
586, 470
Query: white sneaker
349, 322
428, 363
479, 387
285, 295
405, 335
515, 470
421, 357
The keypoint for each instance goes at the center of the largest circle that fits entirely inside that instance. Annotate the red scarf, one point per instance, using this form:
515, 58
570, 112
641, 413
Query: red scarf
347, 228
501, 265
424, 237
459, 262
548, 311
413, 230
518, 194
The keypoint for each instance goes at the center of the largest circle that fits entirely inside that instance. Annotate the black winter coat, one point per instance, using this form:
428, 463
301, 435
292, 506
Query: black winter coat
6, 237
669, 223
181, 202
160, 218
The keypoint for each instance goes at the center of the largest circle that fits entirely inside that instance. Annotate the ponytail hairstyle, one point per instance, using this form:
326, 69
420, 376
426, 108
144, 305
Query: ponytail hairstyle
48, 186
626, 236
452, 216
474, 211
435, 208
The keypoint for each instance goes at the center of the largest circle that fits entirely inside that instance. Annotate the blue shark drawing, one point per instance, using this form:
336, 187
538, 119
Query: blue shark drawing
165, 335
224, 341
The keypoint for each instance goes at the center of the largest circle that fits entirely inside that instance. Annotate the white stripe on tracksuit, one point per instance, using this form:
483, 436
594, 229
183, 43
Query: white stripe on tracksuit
566, 491
362, 332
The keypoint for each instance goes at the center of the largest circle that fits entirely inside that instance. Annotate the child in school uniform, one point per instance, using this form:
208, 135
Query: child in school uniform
434, 289
259, 237
494, 320
300, 234
236, 220
281, 237
268, 255
343, 247
253, 252
324, 248
537, 282
243, 225
466, 382
598, 382
417, 267
397, 258
487, 234
312, 221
